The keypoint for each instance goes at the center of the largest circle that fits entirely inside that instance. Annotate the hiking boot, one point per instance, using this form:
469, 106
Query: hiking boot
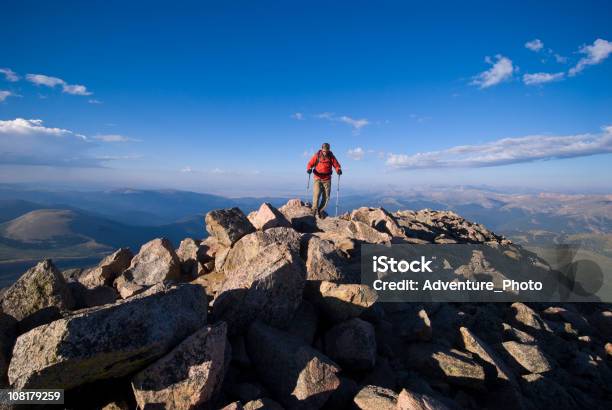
321, 215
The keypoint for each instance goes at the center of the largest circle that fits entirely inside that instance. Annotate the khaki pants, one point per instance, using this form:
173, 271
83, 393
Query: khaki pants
320, 188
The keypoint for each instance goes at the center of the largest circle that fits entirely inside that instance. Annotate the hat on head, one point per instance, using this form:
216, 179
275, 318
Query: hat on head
325, 146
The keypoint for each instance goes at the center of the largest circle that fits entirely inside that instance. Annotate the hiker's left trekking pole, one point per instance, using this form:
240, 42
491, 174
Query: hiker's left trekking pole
337, 194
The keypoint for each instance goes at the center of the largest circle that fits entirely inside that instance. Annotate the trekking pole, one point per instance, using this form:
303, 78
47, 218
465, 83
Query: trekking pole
337, 194
307, 186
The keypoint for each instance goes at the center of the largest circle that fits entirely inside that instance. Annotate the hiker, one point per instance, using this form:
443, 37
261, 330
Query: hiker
321, 164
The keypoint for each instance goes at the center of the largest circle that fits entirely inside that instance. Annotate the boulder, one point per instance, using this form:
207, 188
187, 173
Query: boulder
89, 297
156, 262
375, 398
410, 322
340, 302
39, 296
298, 375
352, 344
188, 377
267, 217
269, 288
107, 342
107, 270
448, 365
527, 318
304, 323
262, 404
324, 261
602, 322
409, 400
530, 357
8, 332
476, 346
228, 225
249, 248
379, 219
299, 215
337, 229
233, 406
192, 255
545, 393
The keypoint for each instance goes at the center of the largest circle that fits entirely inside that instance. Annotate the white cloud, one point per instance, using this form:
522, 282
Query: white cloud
9, 75
30, 142
500, 70
5, 94
542, 78
187, 170
74, 89
94, 101
560, 59
508, 151
41, 79
114, 138
356, 124
534, 45
595, 54
356, 153
297, 116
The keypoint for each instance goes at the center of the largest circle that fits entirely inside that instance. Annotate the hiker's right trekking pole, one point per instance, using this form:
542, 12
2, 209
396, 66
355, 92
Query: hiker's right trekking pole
337, 194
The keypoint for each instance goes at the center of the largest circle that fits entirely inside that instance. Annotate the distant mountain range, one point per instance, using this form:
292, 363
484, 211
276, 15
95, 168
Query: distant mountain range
71, 225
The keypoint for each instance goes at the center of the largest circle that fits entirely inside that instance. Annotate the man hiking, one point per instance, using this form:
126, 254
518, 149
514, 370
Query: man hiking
321, 164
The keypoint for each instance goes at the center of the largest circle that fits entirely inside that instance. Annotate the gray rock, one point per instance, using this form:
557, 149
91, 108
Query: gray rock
304, 323
299, 215
375, 398
85, 297
228, 225
340, 302
111, 341
528, 318
192, 255
8, 333
249, 248
268, 288
409, 400
108, 269
529, 357
267, 217
188, 377
298, 375
545, 393
352, 344
39, 296
448, 365
474, 345
155, 263
379, 219
262, 404
324, 261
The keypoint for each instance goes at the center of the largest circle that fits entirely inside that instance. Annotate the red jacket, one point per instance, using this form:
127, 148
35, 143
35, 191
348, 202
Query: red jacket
323, 168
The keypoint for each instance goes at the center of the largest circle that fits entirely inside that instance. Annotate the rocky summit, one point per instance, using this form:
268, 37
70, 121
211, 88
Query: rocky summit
266, 311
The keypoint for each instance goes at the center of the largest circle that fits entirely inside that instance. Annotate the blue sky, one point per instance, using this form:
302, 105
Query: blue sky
231, 97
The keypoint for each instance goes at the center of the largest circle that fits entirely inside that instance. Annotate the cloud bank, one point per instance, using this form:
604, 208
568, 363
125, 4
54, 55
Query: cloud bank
508, 151
30, 142
595, 54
